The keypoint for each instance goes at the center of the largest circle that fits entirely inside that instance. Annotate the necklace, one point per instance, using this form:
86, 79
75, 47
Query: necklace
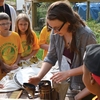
68, 41
68, 45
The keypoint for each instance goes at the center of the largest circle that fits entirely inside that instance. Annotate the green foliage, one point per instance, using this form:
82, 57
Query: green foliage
95, 27
42, 9
41, 13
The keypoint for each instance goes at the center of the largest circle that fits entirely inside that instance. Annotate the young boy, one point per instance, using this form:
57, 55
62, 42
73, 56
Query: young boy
8, 9
10, 45
91, 70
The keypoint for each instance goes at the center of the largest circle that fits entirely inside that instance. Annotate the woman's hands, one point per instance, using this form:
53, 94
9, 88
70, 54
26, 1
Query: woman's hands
60, 76
64, 75
34, 80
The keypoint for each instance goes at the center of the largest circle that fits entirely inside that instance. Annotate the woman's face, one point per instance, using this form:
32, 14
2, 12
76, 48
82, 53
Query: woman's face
22, 25
58, 26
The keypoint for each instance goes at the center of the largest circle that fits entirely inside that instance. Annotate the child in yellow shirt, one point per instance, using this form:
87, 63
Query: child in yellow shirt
10, 45
28, 37
44, 40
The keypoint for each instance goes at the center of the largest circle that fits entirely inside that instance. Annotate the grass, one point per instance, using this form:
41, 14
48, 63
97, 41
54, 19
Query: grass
40, 52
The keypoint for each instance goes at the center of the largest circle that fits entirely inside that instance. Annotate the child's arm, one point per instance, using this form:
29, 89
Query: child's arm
15, 65
33, 53
44, 46
82, 94
4, 67
18, 59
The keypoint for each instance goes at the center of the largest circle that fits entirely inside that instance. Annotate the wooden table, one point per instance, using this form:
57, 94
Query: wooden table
5, 96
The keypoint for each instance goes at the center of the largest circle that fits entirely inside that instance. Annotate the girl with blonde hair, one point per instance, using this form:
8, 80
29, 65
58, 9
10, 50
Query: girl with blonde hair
28, 36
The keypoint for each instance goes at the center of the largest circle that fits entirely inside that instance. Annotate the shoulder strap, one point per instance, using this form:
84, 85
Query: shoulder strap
7, 10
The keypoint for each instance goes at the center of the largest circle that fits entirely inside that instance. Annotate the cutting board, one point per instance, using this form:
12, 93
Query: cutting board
16, 94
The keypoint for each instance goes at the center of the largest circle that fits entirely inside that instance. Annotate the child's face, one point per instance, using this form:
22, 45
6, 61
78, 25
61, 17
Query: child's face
1, 1
88, 80
4, 26
22, 25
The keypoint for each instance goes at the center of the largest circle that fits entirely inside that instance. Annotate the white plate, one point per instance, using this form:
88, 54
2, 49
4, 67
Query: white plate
23, 75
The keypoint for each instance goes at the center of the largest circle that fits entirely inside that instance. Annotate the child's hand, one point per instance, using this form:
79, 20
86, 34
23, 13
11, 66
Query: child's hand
5, 68
25, 58
14, 66
1, 86
82, 94
78, 97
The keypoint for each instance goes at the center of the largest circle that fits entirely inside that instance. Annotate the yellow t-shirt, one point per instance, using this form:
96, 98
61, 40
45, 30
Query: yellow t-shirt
10, 47
44, 38
29, 48
95, 98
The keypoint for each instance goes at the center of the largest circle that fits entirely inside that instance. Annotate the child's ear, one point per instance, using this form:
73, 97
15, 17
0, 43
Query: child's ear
10, 22
92, 80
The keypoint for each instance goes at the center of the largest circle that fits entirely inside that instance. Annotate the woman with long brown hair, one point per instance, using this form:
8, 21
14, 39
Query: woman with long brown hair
69, 37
